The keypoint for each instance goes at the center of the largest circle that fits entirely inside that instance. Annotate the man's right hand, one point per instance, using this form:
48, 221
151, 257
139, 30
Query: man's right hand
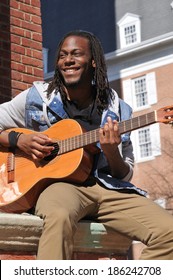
37, 145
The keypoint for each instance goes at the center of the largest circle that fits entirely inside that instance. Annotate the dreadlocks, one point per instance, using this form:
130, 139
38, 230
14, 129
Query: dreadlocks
100, 79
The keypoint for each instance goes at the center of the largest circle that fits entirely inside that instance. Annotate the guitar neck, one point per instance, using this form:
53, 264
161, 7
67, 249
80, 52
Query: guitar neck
137, 122
92, 136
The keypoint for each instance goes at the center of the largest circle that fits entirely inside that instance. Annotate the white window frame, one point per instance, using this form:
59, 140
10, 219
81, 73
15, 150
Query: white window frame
154, 135
129, 92
140, 93
127, 21
145, 144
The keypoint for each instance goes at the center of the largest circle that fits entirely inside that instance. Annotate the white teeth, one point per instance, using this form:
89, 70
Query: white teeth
69, 70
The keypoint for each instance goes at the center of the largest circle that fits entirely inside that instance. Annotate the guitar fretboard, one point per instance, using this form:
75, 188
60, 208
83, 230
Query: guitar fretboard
137, 122
92, 136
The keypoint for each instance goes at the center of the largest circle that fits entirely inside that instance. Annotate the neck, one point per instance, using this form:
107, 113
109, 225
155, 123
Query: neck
83, 97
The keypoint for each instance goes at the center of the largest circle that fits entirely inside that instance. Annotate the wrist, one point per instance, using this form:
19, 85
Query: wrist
13, 138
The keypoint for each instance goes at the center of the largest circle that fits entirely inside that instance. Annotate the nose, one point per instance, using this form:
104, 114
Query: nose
69, 58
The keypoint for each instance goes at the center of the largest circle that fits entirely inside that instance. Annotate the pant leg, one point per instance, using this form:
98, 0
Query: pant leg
61, 206
140, 219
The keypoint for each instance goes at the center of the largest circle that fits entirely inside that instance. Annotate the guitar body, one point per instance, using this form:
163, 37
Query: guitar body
22, 179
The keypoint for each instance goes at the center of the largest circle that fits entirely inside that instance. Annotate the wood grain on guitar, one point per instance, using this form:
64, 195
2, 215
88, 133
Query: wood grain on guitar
22, 179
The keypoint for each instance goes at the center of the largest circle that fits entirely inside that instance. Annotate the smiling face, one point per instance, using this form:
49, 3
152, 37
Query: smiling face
75, 63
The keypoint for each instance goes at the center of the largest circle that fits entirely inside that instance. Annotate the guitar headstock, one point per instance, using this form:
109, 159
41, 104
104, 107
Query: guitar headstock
165, 115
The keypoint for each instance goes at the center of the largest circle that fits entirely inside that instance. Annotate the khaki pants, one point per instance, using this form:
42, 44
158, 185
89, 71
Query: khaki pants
62, 205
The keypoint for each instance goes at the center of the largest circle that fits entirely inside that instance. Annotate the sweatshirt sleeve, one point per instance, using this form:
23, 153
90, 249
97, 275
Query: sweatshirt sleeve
12, 113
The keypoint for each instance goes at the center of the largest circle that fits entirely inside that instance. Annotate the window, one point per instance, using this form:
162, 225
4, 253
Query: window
129, 30
140, 93
130, 34
146, 142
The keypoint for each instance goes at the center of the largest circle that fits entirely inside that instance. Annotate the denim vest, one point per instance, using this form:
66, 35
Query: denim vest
35, 119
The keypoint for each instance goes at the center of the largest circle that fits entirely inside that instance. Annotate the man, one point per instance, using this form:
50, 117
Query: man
80, 91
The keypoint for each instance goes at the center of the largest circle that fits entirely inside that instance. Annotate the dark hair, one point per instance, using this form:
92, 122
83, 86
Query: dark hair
100, 79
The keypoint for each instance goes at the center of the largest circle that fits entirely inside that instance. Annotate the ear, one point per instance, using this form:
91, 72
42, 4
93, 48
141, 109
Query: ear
93, 64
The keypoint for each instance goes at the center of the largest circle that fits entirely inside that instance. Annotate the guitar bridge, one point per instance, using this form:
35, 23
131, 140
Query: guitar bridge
10, 167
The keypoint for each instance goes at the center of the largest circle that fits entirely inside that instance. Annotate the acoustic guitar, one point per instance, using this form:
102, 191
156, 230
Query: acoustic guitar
22, 179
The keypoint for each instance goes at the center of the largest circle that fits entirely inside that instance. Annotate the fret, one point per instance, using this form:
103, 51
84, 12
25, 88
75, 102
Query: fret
137, 122
92, 136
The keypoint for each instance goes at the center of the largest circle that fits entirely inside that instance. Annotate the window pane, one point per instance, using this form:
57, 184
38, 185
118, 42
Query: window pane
140, 92
145, 142
130, 34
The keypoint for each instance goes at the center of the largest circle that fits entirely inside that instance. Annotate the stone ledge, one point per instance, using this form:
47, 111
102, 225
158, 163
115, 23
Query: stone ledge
21, 233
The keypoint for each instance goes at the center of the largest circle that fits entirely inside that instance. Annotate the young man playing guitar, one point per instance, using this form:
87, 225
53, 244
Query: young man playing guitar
99, 189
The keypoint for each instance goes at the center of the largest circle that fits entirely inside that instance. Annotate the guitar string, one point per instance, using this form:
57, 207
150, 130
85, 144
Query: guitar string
91, 137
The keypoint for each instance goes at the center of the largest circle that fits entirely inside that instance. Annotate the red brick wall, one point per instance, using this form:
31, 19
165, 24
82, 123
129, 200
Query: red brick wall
20, 46
156, 176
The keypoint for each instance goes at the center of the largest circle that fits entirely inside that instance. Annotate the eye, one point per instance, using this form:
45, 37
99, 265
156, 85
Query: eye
62, 55
77, 54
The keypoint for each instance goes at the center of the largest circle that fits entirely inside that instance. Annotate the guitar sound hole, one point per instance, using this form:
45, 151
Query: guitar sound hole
54, 153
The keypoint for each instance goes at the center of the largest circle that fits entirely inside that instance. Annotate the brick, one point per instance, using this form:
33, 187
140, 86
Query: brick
16, 57
17, 31
16, 39
31, 26
38, 73
28, 78
16, 75
14, 4
27, 17
17, 49
26, 42
37, 54
28, 34
28, 52
37, 37
36, 3
36, 45
20, 86
31, 61
15, 21
36, 19
29, 70
18, 66
28, 2
31, 9
17, 13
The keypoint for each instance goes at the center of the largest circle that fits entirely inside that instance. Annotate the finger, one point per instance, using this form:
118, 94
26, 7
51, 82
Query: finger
38, 155
42, 139
108, 128
42, 148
